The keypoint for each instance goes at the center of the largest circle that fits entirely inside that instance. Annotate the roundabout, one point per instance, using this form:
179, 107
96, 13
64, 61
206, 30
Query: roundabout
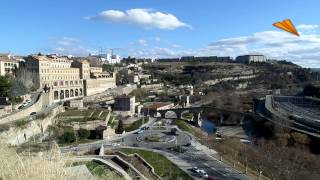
157, 139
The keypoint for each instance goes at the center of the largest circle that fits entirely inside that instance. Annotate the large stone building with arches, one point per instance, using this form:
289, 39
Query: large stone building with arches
64, 78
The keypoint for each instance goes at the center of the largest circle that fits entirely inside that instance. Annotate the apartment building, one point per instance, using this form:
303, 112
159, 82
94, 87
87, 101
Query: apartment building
66, 78
56, 74
7, 64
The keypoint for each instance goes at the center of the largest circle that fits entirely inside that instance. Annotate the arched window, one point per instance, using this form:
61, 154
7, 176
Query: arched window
56, 95
61, 94
71, 93
67, 93
76, 92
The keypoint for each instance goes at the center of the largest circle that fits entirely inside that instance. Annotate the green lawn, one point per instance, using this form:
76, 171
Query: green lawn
184, 126
83, 115
99, 170
162, 166
104, 114
86, 112
136, 124
153, 138
187, 116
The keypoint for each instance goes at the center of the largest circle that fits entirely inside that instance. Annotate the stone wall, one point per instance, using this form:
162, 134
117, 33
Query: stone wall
109, 94
216, 81
94, 86
16, 135
89, 125
37, 106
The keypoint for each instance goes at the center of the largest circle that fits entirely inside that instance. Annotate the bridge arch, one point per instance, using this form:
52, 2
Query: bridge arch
170, 115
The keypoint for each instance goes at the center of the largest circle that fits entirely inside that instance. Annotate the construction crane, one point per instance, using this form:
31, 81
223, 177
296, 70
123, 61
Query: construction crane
112, 50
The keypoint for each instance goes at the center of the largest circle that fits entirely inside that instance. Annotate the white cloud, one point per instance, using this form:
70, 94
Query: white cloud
307, 27
157, 39
70, 46
144, 17
67, 41
303, 50
142, 42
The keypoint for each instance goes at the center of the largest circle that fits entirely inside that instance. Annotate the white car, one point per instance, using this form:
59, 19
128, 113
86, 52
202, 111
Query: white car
25, 103
28, 101
203, 173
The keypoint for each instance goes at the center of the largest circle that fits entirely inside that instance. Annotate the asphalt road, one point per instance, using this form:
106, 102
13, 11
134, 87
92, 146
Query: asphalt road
194, 156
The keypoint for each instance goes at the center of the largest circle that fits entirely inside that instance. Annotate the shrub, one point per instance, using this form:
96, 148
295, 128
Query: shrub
120, 127
68, 137
84, 134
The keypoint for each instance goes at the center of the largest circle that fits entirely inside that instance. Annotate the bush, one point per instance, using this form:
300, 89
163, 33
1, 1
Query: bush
68, 137
84, 134
120, 127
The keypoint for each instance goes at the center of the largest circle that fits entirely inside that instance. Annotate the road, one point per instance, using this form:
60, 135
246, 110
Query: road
196, 155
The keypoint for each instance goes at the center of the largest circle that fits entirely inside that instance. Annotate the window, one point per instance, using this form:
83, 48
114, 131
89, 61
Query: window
56, 95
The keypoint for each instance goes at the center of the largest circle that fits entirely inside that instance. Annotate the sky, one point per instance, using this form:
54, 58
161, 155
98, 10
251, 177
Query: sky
162, 28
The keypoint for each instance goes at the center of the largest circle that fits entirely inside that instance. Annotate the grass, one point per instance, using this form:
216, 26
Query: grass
188, 116
184, 126
98, 170
83, 115
162, 166
21, 123
136, 124
152, 138
178, 149
67, 113
48, 165
104, 114
96, 114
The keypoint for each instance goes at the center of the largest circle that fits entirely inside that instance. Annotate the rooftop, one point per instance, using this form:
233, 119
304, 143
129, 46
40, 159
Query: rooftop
156, 105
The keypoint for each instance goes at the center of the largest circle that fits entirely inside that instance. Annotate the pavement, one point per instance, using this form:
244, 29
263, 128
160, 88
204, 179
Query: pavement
196, 155
109, 164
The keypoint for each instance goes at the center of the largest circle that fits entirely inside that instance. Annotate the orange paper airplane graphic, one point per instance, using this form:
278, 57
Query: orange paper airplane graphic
287, 26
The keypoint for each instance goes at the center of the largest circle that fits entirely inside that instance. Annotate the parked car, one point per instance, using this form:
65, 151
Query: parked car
33, 113
194, 170
21, 107
203, 173
140, 131
28, 101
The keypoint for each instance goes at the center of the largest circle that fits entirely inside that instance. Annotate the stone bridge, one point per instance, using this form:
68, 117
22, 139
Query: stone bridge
197, 111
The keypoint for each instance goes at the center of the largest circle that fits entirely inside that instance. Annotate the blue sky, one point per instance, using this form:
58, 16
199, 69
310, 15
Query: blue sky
162, 28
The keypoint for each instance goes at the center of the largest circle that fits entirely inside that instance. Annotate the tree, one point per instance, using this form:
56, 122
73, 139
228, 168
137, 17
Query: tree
107, 67
5, 86
84, 134
68, 137
120, 127
311, 90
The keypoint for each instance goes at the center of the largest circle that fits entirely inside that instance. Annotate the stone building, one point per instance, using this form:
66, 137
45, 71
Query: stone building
248, 59
124, 105
64, 78
56, 74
